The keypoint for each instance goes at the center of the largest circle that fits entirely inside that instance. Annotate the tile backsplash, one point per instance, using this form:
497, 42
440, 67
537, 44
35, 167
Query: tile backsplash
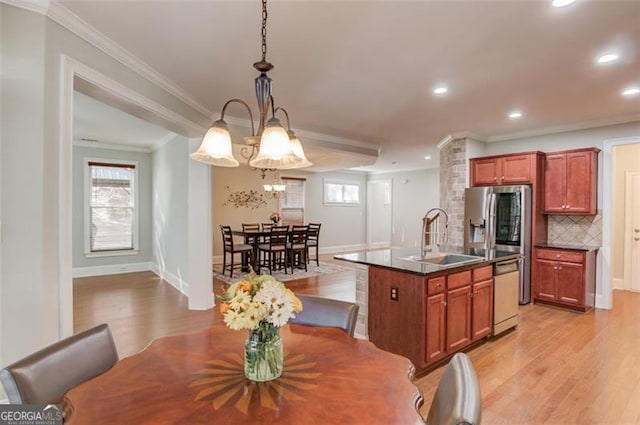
575, 229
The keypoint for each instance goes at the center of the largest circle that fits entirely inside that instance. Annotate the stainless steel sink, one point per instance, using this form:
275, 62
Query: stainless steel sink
445, 259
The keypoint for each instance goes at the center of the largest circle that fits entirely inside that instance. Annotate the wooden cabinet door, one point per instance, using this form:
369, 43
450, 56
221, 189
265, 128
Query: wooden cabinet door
579, 182
458, 318
482, 309
485, 172
555, 179
516, 169
570, 283
546, 282
435, 329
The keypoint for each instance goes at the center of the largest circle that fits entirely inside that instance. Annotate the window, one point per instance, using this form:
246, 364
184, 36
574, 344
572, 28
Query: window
110, 207
292, 202
341, 192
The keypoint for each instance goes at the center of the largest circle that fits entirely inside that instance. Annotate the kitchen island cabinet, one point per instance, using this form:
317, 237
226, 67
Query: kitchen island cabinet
424, 312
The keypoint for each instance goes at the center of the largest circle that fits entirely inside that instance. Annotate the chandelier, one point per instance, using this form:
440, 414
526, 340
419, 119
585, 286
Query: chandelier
275, 189
272, 147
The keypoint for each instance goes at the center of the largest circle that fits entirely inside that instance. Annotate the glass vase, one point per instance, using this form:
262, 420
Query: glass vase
263, 355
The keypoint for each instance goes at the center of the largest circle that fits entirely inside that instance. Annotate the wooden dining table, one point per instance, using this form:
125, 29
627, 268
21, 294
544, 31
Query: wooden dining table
198, 378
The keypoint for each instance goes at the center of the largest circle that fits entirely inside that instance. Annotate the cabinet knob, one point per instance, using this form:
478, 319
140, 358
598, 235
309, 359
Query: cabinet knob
557, 255
470, 294
568, 206
559, 267
437, 285
495, 178
444, 303
563, 207
502, 177
555, 267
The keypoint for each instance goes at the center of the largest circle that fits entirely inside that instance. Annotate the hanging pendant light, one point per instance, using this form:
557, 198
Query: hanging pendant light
277, 148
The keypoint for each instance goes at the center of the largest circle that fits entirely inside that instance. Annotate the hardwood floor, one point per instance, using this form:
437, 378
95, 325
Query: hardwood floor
557, 368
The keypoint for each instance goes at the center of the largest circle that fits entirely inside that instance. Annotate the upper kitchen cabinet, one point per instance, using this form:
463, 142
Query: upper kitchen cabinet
504, 169
570, 182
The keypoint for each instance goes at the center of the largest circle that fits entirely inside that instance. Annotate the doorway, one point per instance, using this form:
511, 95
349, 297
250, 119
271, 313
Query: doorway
379, 213
631, 232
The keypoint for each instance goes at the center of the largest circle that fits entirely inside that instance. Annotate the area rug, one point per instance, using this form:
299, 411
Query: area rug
312, 270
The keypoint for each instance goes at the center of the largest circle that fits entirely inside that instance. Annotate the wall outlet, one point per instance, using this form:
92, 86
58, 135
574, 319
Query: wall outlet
394, 294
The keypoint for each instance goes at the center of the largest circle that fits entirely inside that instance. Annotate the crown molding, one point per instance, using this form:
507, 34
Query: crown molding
110, 146
38, 6
69, 20
162, 141
584, 125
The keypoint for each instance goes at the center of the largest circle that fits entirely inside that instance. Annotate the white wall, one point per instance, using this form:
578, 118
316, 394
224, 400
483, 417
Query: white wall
379, 218
170, 211
96, 265
32, 46
414, 193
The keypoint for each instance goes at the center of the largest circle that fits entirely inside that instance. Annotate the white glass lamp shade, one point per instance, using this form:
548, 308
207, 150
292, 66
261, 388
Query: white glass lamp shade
216, 147
296, 147
275, 148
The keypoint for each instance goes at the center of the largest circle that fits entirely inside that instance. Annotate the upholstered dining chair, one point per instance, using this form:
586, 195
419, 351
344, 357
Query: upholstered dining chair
297, 247
318, 311
273, 253
313, 241
457, 400
46, 375
231, 248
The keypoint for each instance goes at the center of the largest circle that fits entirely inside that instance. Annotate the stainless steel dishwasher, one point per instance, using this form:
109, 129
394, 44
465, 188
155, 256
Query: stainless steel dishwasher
505, 295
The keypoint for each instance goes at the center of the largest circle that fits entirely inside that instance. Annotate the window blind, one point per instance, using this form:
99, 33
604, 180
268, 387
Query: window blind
292, 203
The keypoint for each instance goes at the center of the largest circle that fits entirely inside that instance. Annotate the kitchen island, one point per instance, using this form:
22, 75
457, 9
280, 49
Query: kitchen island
423, 311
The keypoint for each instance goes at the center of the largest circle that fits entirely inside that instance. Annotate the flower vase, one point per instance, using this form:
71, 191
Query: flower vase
263, 355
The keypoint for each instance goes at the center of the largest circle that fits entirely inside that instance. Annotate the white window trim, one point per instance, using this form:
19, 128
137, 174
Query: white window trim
87, 210
341, 182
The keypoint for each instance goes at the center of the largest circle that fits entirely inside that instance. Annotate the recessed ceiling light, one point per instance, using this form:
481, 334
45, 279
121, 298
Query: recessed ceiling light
515, 115
561, 3
609, 57
631, 91
440, 90
427, 157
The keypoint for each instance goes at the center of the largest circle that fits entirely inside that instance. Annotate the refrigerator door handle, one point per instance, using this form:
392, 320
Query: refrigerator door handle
491, 219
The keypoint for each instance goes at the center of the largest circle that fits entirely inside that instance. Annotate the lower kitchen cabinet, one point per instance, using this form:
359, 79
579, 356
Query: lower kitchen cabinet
459, 315
436, 327
482, 309
565, 278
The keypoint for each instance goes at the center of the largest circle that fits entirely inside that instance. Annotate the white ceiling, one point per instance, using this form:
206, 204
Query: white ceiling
365, 70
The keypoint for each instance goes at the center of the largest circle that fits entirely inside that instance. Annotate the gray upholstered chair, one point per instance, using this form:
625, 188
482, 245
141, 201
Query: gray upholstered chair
46, 375
457, 400
317, 311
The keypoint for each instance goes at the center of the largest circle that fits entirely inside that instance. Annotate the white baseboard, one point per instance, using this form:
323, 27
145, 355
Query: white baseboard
173, 280
617, 283
342, 248
379, 245
111, 269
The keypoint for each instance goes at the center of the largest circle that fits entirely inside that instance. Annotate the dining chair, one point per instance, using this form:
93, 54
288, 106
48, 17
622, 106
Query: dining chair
318, 311
457, 400
46, 375
251, 227
273, 253
297, 247
265, 227
231, 248
313, 241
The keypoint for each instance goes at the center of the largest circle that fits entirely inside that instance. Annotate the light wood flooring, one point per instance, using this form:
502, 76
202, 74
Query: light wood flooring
557, 368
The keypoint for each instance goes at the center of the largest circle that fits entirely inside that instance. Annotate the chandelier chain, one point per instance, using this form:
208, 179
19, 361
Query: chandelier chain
264, 30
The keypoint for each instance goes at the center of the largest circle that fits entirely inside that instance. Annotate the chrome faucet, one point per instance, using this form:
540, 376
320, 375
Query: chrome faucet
426, 231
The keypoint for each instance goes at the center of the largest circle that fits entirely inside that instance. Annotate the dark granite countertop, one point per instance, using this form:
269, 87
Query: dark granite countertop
397, 259
571, 247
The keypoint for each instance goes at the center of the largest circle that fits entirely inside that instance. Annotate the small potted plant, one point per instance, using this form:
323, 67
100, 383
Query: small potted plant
275, 217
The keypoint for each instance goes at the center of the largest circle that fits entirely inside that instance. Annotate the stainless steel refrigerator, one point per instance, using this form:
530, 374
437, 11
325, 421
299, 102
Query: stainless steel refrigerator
499, 218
